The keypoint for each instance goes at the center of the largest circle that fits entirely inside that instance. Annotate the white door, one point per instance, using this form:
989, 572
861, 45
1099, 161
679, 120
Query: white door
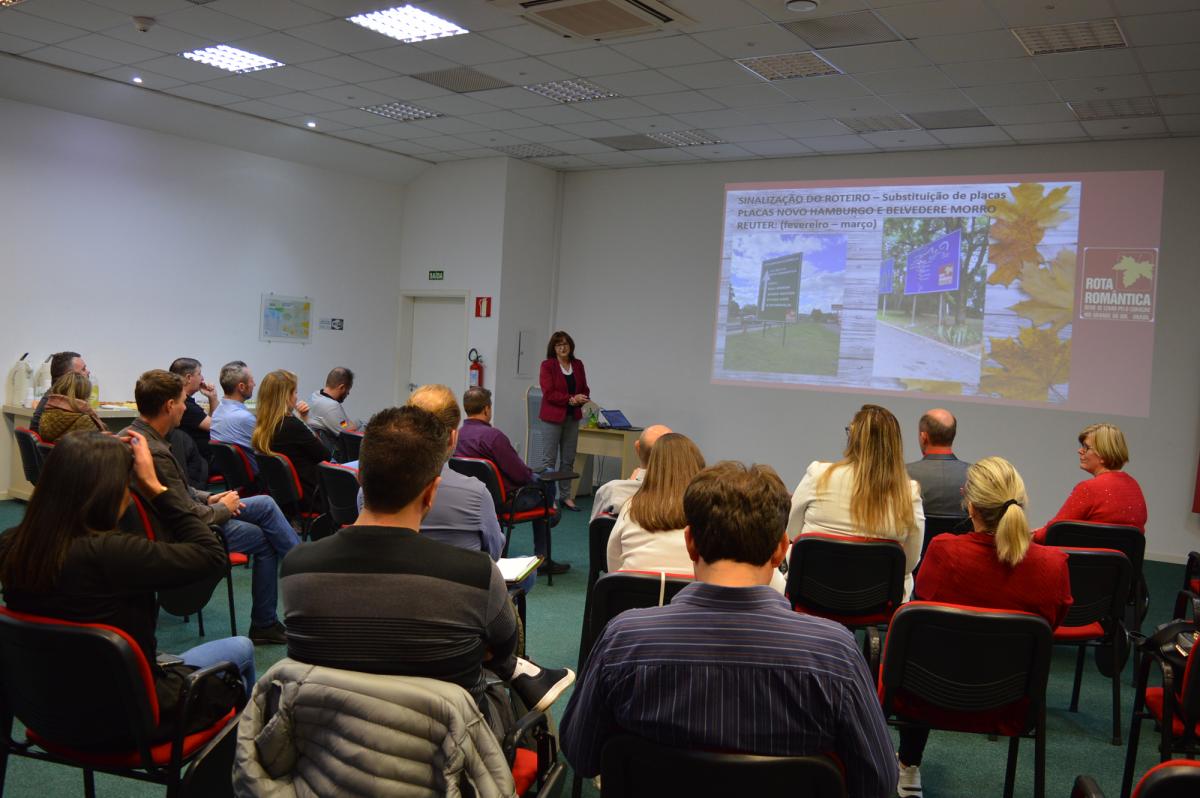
439, 343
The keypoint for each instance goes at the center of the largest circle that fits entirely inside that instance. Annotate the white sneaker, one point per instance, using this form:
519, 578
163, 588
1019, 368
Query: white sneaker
909, 785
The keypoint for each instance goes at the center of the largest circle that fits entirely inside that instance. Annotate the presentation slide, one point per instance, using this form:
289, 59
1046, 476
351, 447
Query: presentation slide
1027, 289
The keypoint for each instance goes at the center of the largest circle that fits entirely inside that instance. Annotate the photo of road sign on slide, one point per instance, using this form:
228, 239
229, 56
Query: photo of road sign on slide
784, 303
929, 323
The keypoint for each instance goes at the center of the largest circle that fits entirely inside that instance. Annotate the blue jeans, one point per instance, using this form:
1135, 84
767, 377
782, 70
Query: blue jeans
238, 650
261, 531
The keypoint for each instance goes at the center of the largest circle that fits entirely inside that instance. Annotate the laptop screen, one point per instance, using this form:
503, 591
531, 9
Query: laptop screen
616, 419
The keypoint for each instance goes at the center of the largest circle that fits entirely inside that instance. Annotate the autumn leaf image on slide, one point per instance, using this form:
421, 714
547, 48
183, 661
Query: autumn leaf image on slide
1133, 270
1030, 364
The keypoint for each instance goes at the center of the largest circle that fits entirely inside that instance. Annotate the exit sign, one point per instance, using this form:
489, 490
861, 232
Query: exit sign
437, 274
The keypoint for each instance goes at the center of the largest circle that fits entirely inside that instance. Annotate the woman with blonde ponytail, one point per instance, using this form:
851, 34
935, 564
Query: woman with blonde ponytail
997, 566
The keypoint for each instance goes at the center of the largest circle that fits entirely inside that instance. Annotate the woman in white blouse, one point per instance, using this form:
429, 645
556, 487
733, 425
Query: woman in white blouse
866, 493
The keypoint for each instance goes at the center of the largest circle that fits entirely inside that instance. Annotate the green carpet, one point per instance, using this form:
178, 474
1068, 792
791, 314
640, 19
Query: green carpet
958, 765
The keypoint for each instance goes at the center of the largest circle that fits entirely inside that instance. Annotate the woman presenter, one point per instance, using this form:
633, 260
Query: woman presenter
564, 393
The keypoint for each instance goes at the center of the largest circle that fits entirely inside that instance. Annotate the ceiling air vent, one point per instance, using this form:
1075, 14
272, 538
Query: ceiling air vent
1072, 37
462, 80
597, 19
1118, 108
876, 124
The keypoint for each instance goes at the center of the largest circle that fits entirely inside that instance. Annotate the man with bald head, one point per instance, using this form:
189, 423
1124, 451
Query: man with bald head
940, 474
611, 496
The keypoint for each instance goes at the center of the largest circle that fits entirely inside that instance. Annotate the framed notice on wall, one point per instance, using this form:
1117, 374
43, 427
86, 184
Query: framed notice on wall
285, 318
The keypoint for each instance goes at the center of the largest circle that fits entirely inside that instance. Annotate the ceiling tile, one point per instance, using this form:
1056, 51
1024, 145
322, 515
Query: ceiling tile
581, 146
1102, 88
296, 78
986, 45
70, 59
712, 75
470, 14
1169, 57
203, 21
1183, 104
306, 103
491, 138
456, 104
874, 57
653, 124
744, 133
940, 100
278, 14
791, 112
824, 88
527, 38
261, 108
28, 26
671, 51
203, 94
470, 49
150, 80
680, 102
1184, 123
282, 47
1012, 94
1046, 130
635, 84
353, 96
102, 46
405, 130
851, 106
360, 135
839, 144
1026, 114
498, 120
564, 162
524, 71
1087, 64
448, 124
442, 143
406, 59
348, 69
247, 86
777, 147
667, 155
807, 130
77, 13
544, 134
901, 139
719, 14
557, 114
755, 40
593, 61
747, 96
720, 152
159, 38
182, 69
911, 79
1021, 13
1153, 6
987, 73
355, 117
340, 35
1116, 128
941, 17
405, 88
708, 119
1162, 29
1174, 82
972, 135
512, 98
592, 130
617, 159
619, 108
15, 44
143, 7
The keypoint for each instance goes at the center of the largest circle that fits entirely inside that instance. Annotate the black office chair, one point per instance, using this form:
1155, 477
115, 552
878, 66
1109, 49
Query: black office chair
634, 767
31, 456
1128, 540
1178, 778
339, 485
234, 464
940, 525
283, 483
598, 533
348, 444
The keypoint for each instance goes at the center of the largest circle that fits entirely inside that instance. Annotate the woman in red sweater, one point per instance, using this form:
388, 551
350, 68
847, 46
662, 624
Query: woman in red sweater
564, 393
1111, 496
995, 566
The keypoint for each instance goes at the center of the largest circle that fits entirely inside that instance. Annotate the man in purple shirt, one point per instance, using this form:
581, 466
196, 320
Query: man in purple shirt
478, 438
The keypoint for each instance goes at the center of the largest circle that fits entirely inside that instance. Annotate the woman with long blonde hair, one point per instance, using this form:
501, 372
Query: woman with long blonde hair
996, 566
281, 428
866, 493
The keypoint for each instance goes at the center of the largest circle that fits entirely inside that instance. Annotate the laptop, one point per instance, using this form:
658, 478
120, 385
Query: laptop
616, 420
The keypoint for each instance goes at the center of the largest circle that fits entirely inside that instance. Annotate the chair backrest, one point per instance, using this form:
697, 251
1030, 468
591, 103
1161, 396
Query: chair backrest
534, 432
966, 668
942, 524
233, 463
1100, 580
283, 483
208, 774
618, 591
340, 487
44, 450
1177, 778
631, 767
348, 446
31, 458
486, 472
852, 580
1128, 540
77, 685
136, 520
328, 439
599, 531
179, 601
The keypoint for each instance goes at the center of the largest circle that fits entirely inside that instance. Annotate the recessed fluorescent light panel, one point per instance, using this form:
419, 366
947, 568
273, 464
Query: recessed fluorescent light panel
685, 138
231, 59
571, 91
401, 112
789, 65
408, 24
1096, 34
1117, 108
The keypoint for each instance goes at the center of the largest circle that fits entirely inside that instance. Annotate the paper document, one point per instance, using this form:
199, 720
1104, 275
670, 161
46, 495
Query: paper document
514, 569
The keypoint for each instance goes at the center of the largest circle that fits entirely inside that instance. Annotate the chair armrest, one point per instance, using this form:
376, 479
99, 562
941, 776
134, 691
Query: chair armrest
527, 725
187, 701
872, 651
556, 476
1086, 787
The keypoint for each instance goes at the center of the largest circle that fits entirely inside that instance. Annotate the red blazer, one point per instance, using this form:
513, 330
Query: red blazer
554, 391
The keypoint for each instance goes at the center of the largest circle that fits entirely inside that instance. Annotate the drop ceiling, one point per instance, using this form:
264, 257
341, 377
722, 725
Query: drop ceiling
936, 74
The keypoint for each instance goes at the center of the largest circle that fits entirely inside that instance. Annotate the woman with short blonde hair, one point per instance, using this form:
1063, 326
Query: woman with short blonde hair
867, 493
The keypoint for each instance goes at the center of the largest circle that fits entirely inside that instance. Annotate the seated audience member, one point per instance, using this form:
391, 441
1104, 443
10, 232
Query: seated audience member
195, 469
325, 406
727, 665
1111, 496
253, 525
66, 408
478, 438
867, 492
939, 473
612, 495
995, 566
278, 431
196, 422
60, 364
66, 560
232, 422
380, 597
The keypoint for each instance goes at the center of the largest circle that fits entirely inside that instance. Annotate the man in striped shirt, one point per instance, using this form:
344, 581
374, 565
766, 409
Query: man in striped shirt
727, 665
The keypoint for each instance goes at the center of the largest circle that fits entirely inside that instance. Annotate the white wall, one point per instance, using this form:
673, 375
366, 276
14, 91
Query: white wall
136, 247
639, 267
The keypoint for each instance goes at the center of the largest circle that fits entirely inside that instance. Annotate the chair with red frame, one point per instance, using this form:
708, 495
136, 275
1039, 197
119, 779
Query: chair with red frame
856, 581
85, 694
1178, 778
339, 485
1191, 585
44, 449
348, 446
598, 533
283, 483
486, 472
968, 669
1100, 587
1174, 706
31, 456
234, 464
1128, 540
190, 599
634, 767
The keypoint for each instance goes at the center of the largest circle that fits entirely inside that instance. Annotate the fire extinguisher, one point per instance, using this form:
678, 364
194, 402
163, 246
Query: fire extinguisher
475, 372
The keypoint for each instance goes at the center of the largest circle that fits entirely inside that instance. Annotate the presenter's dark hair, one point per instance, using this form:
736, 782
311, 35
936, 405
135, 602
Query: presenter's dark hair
476, 400
61, 363
737, 512
154, 389
939, 434
559, 337
403, 449
81, 491
184, 366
